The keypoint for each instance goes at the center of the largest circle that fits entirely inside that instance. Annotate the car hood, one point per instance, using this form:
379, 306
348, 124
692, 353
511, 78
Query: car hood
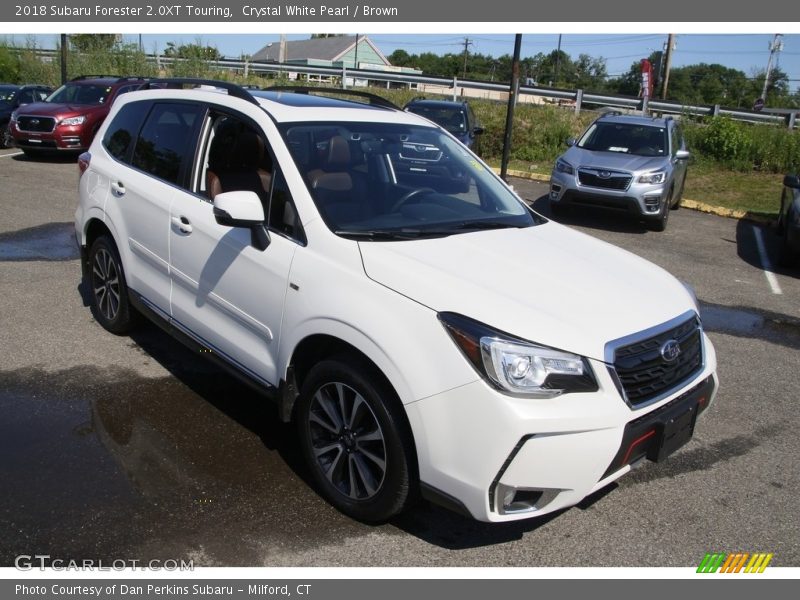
547, 284
52, 109
579, 157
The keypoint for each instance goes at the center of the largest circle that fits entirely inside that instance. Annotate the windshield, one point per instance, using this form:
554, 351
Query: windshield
452, 119
72, 93
7, 93
626, 138
389, 181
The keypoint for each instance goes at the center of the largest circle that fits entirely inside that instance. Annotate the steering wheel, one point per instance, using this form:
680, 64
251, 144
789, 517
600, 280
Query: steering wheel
408, 196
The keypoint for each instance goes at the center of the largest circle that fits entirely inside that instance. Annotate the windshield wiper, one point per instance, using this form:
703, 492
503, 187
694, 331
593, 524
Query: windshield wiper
388, 234
484, 225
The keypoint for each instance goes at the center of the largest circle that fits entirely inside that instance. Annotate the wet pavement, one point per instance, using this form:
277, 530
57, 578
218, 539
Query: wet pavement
135, 447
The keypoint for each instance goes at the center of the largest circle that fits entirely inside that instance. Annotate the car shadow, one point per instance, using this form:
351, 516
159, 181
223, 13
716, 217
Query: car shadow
590, 217
747, 247
47, 157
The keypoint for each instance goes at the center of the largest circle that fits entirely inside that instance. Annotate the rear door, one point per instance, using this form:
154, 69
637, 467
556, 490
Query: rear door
158, 156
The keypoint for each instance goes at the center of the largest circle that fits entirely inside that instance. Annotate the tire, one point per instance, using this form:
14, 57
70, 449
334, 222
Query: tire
356, 440
676, 202
660, 224
787, 256
110, 304
6, 140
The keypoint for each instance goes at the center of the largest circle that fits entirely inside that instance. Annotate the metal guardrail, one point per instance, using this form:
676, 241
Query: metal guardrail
580, 98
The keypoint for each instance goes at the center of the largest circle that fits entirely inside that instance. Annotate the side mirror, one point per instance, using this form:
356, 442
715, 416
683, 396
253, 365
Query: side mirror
792, 181
243, 209
682, 155
571, 141
477, 130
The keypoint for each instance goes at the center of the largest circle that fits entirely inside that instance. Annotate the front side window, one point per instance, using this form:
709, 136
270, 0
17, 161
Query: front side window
167, 140
73, 93
390, 181
625, 138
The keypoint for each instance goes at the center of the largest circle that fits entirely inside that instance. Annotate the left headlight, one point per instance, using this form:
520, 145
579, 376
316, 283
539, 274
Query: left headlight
516, 366
563, 166
73, 120
657, 177
13, 118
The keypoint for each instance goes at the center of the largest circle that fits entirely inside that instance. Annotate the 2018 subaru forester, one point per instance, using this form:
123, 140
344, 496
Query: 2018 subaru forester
428, 333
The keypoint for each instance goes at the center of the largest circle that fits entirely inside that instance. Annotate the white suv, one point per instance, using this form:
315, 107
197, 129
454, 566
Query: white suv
428, 333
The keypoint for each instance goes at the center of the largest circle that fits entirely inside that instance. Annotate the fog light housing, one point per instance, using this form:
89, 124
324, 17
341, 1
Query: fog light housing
512, 500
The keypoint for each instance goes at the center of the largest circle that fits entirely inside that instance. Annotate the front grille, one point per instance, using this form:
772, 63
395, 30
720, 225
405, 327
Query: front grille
611, 180
643, 371
39, 124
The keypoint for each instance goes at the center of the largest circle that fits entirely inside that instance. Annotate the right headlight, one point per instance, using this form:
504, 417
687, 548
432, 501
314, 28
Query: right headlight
563, 166
516, 366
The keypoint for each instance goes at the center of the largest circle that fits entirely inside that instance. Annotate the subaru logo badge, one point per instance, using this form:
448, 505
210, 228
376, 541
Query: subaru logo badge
604, 174
670, 350
34, 121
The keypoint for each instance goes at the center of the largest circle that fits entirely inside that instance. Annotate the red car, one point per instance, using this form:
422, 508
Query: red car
68, 119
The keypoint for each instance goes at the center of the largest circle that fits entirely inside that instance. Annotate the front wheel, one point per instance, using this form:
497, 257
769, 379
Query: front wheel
356, 440
660, 223
110, 304
6, 139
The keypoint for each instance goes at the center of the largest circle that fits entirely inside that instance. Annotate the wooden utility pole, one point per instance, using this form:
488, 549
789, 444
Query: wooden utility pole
467, 43
63, 58
512, 102
668, 61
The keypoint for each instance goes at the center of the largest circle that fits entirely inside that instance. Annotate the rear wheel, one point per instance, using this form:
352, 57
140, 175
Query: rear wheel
355, 440
110, 304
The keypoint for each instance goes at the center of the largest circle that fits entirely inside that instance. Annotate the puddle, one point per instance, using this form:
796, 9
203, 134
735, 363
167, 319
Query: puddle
106, 461
52, 241
773, 327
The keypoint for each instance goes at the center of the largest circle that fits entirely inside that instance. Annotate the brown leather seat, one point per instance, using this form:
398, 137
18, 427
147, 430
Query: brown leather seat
234, 165
336, 187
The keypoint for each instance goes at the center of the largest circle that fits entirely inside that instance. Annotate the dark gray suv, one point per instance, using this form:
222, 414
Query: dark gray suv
636, 165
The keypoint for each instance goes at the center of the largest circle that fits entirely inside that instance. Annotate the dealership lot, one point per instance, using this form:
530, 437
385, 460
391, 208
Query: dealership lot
135, 448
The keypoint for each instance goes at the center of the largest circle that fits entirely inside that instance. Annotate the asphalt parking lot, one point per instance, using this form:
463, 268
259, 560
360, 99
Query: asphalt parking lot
135, 448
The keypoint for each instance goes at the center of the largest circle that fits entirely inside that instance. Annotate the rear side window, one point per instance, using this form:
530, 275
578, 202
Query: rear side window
167, 140
123, 130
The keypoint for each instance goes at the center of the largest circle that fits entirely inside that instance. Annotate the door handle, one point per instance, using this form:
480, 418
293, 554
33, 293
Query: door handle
182, 223
118, 188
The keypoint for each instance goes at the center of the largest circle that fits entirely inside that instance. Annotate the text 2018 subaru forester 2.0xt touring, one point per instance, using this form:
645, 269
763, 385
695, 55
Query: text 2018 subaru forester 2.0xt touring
427, 332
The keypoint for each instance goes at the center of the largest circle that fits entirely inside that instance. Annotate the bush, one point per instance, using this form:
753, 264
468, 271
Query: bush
744, 146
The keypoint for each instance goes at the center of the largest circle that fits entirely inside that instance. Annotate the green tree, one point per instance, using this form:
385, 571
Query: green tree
9, 65
192, 51
93, 42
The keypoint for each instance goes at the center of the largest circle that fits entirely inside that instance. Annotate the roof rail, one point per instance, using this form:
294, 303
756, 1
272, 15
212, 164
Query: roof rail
117, 77
374, 99
181, 82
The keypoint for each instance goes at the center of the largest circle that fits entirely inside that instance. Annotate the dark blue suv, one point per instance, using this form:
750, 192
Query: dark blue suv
12, 97
456, 117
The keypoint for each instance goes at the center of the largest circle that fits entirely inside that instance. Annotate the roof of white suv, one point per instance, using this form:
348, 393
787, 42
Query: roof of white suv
634, 120
292, 104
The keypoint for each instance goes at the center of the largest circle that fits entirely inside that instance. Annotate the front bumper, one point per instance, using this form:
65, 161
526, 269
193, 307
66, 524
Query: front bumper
501, 458
639, 199
64, 138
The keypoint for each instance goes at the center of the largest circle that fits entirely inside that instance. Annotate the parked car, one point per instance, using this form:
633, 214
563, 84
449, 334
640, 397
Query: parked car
68, 119
630, 164
426, 331
11, 98
456, 117
789, 221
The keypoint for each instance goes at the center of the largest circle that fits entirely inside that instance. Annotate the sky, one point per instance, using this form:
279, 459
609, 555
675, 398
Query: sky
746, 52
